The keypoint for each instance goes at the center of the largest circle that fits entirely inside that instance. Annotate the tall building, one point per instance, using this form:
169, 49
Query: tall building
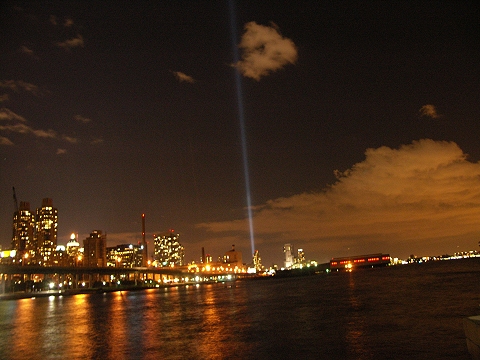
125, 256
289, 258
73, 251
23, 241
300, 256
95, 250
46, 224
167, 250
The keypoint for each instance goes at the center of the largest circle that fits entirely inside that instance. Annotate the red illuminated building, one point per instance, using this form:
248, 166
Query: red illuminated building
371, 260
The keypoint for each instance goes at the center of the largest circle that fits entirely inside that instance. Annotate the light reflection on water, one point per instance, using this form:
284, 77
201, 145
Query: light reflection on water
410, 312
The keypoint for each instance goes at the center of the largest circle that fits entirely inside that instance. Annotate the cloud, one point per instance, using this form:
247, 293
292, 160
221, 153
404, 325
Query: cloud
4, 97
7, 114
5, 141
183, 77
264, 50
423, 197
28, 51
21, 128
68, 22
53, 20
20, 85
97, 140
82, 119
70, 139
61, 151
71, 43
429, 111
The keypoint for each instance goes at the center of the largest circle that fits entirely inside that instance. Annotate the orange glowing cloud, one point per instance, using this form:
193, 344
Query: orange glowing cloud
420, 197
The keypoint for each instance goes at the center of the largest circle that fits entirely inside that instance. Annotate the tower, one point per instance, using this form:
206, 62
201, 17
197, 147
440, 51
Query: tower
144, 243
23, 241
288, 251
46, 223
95, 250
168, 251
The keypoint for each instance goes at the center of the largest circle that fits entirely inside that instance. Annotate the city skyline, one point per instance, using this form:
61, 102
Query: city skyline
353, 125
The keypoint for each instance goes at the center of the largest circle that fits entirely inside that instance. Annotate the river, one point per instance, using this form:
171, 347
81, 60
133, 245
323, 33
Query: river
410, 311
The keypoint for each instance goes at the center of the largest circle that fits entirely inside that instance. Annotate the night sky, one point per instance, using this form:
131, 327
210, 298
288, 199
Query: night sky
361, 123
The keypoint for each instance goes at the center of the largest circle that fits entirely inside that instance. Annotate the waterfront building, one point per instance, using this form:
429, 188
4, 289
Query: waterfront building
46, 223
233, 258
60, 257
360, 261
167, 250
289, 258
73, 250
23, 242
125, 256
300, 256
95, 250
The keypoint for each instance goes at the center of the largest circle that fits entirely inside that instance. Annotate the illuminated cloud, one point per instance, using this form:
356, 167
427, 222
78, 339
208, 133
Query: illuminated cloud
27, 51
95, 141
421, 196
61, 151
70, 139
71, 43
7, 114
20, 126
82, 119
68, 22
19, 85
4, 97
264, 50
429, 111
5, 141
182, 77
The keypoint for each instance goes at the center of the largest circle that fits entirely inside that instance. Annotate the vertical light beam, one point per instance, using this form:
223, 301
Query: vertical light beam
241, 117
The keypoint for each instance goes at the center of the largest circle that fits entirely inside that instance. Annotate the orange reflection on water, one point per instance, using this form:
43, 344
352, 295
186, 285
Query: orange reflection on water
23, 324
78, 340
219, 336
356, 328
116, 336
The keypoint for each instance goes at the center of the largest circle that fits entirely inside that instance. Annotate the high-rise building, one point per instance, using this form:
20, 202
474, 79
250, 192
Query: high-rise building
300, 256
125, 256
46, 224
167, 250
73, 251
95, 250
23, 241
289, 258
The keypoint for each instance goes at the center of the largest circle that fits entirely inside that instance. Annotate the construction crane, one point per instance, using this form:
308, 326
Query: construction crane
15, 199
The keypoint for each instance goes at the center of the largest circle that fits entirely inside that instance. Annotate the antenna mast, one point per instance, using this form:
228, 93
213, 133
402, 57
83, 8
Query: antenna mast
15, 199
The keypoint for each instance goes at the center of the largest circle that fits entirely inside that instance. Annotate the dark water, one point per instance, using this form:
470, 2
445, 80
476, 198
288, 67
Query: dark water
412, 312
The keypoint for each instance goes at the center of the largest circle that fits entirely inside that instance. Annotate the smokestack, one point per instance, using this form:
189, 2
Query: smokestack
203, 255
144, 243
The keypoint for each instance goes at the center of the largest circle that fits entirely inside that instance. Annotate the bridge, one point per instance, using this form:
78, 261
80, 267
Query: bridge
14, 277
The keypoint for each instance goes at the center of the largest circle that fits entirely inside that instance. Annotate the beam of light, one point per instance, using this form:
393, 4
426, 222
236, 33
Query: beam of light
241, 117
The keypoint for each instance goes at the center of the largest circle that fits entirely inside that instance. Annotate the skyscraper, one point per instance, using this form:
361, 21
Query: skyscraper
95, 250
288, 251
46, 223
23, 241
167, 250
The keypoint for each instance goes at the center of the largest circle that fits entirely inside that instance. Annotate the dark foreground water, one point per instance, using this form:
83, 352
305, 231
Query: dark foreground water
412, 312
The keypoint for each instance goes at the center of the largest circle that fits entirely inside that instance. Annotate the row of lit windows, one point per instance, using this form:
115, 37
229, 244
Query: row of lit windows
372, 259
